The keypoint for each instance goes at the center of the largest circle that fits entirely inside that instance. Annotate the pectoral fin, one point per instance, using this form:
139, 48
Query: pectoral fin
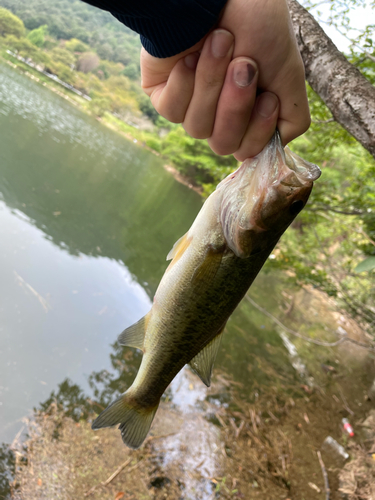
179, 247
203, 362
208, 268
135, 334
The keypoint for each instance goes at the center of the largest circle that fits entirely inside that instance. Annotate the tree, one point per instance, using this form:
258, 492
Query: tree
75, 45
59, 54
348, 94
87, 62
37, 36
105, 51
132, 71
328, 255
10, 24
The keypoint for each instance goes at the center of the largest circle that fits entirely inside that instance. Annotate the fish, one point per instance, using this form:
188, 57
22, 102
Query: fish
212, 267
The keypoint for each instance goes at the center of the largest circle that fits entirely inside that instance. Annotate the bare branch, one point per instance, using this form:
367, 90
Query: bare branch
318, 208
325, 475
309, 339
364, 52
330, 120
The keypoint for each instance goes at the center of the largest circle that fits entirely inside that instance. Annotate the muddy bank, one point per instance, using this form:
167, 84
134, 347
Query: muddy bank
200, 450
228, 441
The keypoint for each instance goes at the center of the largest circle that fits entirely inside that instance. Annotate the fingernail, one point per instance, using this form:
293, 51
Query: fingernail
221, 42
266, 104
191, 60
244, 73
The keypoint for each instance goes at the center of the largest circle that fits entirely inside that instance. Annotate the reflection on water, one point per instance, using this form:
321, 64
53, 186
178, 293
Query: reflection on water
86, 220
192, 443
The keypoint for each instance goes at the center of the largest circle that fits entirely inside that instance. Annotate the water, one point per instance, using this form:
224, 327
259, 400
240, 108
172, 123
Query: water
86, 220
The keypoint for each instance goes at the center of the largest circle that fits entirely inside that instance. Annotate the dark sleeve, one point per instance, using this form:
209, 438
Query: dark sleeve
167, 27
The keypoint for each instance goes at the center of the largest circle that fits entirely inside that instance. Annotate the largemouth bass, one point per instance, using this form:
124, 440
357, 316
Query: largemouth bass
212, 267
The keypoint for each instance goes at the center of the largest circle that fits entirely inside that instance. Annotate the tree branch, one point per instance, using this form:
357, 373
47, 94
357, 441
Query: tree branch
347, 93
324, 208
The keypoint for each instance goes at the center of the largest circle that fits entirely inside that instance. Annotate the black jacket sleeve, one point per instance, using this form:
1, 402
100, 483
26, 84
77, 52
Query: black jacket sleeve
167, 27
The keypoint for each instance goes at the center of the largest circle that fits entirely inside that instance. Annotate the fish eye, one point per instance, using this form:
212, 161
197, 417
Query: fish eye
296, 207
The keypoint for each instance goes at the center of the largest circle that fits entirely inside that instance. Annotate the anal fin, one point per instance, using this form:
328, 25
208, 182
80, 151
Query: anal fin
202, 364
135, 334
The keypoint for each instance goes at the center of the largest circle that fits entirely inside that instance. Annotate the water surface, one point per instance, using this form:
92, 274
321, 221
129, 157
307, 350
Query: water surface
86, 220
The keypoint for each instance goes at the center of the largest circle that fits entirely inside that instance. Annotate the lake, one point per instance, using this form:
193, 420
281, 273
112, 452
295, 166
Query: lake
86, 221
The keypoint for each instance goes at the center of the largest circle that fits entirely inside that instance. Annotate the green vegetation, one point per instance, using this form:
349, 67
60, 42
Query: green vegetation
332, 243
10, 24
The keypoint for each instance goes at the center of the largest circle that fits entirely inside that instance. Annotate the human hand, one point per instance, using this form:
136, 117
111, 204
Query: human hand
213, 88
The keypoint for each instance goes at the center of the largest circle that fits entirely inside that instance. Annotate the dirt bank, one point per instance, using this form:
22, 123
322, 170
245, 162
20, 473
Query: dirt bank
202, 451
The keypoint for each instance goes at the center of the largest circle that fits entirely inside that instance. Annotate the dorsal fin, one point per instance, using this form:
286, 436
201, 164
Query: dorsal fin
135, 334
204, 361
179, 247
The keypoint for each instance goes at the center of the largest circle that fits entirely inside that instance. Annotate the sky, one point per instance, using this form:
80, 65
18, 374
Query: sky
359, 17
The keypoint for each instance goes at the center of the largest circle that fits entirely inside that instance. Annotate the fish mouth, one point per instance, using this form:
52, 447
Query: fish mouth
286, 167
264, 196
305, 169
279, 171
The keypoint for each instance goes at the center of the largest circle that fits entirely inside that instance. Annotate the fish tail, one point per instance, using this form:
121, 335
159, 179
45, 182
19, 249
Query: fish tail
135, 421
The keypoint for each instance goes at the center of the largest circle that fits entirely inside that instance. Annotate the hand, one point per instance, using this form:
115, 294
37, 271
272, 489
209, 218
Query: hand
213, 88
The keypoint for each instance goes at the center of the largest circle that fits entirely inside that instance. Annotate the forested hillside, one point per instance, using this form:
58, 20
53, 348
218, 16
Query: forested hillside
68, 19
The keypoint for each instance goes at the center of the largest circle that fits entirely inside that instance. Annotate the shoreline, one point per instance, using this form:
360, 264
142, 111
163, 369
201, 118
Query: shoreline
128, 136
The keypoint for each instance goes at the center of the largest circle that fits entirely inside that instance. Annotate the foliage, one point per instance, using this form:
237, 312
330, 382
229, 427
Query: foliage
21, 45
10, 24
75, 45
195, 159
60, 54
147, 108
132, 71
38, 36
329, 238
87, 62
74, 19
366, 265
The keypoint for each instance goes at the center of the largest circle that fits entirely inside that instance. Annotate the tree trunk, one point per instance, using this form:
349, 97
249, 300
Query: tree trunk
348, 94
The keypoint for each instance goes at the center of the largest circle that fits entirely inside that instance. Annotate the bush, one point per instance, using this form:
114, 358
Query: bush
37, 36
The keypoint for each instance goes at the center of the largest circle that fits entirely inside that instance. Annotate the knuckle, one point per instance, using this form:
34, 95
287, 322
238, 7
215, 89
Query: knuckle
220, 148
196, 131
172, 116
211, 80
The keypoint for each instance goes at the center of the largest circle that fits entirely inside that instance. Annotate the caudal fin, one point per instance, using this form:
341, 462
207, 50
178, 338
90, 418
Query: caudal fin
134, 422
